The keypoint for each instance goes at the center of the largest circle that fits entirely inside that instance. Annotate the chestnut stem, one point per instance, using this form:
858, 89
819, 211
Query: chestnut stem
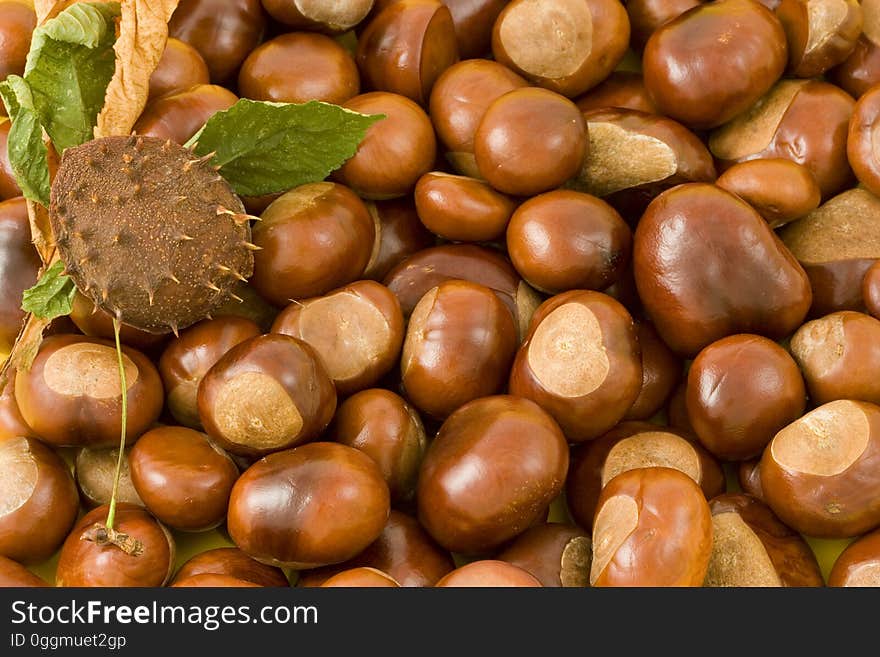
123, 387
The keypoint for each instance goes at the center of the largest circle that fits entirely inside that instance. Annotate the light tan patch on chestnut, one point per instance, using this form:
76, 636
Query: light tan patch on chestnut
415, 334
527, 302
296, 200
819, 346
567, 353
548, 38
19, 475
341, 15
871, 18
825, 441
616, 520
739, 558
347, 331
88, 370
621, 159
577, 557
824, 18
183, 402
865, 574
254, 409
752, 131
652, 449
95, 470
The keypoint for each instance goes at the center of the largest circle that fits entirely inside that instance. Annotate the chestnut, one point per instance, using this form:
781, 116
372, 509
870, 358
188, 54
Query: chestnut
458, 102
356, 330
748, 475
467, 511
653, 527
700, 254
859, 564
88, 559
179, 116
97, 323
566, 240
314, 505
266, 394
567, 46
330, 17
860, 150
406, 47
403, 551
12, 424
741, 390
780, 190
459, 344
752, 547
835, 244
231, 562
661, 373
733, 52
95, 470
313, 239
188, 358
488, 574
530, 140
183, 478
819, 474
554, 553
13, 574
19, 264
396, 151
820, 33
362, 577
580, 362
299, 67
839, 355
621, 89
805, 121
223, 31
473, 20
861, 70
628, 446
38, 500
8, 184
399, 234
71, 395
871, 290
212, 580
387, 429
181, 68
17, 23
676, 410
462, 208
249, 305
645, 16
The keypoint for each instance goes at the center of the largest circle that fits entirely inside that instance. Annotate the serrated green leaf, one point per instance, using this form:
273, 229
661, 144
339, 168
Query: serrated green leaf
264, 148
52, 296
26, 150
69, 66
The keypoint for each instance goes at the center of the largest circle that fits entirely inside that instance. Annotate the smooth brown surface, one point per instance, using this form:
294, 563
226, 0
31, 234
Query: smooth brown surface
488, 574
861, 70
17, 23
820, 33
13, 574
871, 290
180, 68
8, 186
554, 553
661, 372
98, 323
859, 564
212, 580
19, 264
862, 143
232, 562
473, 20
748, 475
95, 472
621, 89
317, 504
399, 234
467, 511
362, 577
461, 208
12, 424
645, 16
318, 15
178, 116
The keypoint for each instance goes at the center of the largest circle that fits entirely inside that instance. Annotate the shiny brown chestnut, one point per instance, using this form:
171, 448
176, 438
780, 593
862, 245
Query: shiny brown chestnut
357, 331
399, 234
462, 209
580, 361
805, 121
566, 240
87, 559
299, 67
188, 358
97, 323
554, 553
12, 424
13, 574
181, 68
183, 478
529, 141
231, 562
266, 394
38, 500
567, 46
315, 238
780, 190
628, 446
859, 564
741, 390
330, 17
645, 16
864, 127
661, 372
395, 152
19, 264
362, 577
653, 527
819, 474
458, 102
72, 393
17, 23
752, 547
700, 255
387, 429
861, 70
469, 512
621, 89
314, 505
473, 20
676, 410
871, 290
223, 31
459, 344
179, 116
212, 580
488, 574
8, 185
820, 33
95, 470
748, 475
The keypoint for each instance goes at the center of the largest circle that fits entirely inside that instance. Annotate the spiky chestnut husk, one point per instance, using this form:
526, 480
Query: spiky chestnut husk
148, 232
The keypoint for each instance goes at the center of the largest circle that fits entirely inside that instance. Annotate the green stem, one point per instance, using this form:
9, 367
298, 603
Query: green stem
111, 514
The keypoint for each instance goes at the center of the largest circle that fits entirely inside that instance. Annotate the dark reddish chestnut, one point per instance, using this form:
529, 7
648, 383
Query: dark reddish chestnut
19, 264
399, 234
181, 68
554, 553
232, 562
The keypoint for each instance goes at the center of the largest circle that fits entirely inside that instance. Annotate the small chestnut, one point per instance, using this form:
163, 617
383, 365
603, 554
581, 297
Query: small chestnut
621, 89
319, 15
212, 580
399, 234
362, 577
860, 145
19, 264
178, 116
488, 574
871, 290
95, 470
13, 574
554, 553
661, 372
17, 23
181, 68
232, 562
12, 424
820, 33
859, 564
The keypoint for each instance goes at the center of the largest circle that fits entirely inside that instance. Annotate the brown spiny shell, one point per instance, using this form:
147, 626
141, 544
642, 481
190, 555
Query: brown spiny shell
149, 232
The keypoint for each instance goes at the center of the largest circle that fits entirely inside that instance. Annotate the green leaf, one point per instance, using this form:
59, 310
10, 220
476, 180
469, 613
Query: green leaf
69, 66
27, 152
52, 296
264, 148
